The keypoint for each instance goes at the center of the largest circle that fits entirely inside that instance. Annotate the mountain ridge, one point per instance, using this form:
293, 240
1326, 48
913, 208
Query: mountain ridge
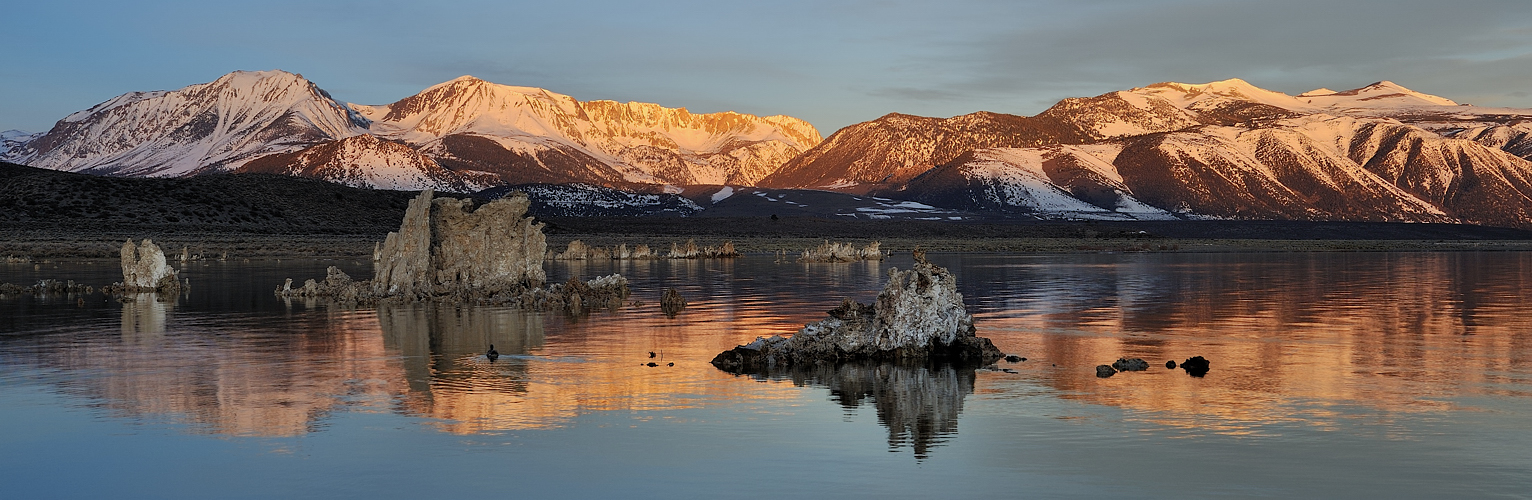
1224, 149
469, 133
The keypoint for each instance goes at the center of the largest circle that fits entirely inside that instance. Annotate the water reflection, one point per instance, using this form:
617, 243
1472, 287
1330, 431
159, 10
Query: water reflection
144, 315
1296, 340
442, 348
918, 404
1291, 337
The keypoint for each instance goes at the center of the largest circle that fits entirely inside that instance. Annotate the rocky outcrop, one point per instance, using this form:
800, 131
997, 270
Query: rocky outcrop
841, 252
1130, 365
144, 270
446, 246
639, 252
576, 297
337, 284
918, 317
690, 250
578, 250
47, 287
446, 250
1196, 366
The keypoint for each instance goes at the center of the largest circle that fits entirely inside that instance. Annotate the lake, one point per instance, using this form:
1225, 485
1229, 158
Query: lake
1333, 375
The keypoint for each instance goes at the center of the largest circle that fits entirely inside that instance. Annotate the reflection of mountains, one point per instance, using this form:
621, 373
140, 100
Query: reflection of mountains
918, 404
1291, 336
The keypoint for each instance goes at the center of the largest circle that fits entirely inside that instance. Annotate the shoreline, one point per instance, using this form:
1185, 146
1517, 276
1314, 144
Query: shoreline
48, 245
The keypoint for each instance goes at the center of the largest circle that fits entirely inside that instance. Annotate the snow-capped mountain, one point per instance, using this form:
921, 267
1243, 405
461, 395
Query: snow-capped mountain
1223, 149
896, 147
369, 162
12, 139
462, 134
211, 126
531, 134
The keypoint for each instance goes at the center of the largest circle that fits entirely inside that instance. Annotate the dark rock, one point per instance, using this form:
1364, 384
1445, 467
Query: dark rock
1170, 364
651, 354
1014, 359
1196, 366
651, 364
918, 317
1105, 371
1130, 365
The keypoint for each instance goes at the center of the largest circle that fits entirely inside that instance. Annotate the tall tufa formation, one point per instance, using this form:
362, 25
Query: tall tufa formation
446, 250
918, 317
445, 245
144, 268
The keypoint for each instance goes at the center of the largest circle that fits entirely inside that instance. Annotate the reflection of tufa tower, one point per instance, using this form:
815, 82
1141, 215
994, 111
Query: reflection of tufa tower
443, 346
919, 404
144, 317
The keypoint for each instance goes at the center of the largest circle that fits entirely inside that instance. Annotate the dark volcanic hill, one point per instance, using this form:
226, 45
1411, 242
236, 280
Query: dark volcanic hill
245, 203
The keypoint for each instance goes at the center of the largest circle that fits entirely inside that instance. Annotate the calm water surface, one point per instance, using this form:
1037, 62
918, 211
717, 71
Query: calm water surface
1334, 375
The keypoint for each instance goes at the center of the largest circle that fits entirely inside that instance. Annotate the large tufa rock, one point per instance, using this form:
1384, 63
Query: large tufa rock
919, 316
445, 250
144, 269
446, 244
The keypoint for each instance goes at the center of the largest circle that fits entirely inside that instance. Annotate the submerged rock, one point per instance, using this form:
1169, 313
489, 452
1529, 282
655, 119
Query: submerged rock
919, 316
671, 302
1130, 365
1105, 371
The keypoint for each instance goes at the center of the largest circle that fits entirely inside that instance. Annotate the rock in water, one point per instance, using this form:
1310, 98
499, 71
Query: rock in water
919, 316
671, 302
144, 268
1105, 371
1196, 366
445, 244
1130, 365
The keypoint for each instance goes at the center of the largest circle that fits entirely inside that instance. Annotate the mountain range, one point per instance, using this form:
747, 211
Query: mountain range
462, 135
1225, 149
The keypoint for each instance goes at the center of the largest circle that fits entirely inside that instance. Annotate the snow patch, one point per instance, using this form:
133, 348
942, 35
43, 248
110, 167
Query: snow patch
723, 194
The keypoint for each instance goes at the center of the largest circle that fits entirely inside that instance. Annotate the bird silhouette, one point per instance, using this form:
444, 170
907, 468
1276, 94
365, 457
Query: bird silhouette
492, 354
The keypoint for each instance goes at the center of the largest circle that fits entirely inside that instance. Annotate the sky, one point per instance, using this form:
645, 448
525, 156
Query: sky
832, 63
